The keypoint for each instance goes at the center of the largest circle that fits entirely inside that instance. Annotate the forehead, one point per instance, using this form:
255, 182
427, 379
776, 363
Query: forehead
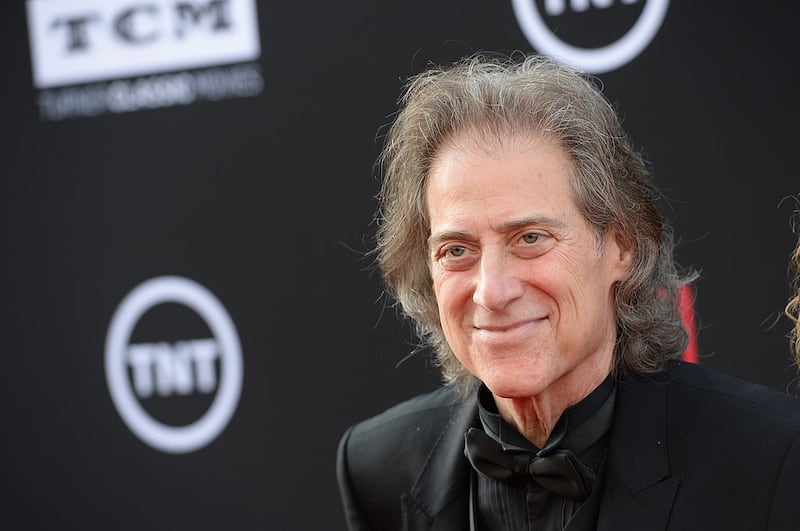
511, 172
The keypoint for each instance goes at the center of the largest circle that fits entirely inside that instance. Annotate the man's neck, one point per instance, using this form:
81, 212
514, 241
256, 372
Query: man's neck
536, 416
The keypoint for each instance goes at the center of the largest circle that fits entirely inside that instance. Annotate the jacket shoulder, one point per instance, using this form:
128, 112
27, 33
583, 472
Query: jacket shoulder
410, 428
380, 459
731, 392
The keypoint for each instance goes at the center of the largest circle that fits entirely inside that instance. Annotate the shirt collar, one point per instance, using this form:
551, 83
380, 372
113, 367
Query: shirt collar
579, 426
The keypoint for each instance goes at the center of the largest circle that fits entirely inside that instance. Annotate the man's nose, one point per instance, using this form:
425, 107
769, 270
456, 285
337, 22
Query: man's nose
498, 282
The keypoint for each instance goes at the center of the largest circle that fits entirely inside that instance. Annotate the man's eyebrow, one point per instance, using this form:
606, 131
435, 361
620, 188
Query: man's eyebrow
444, 236
539, 221
509, 226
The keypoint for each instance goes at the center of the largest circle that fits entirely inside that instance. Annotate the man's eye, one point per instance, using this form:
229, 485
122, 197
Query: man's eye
531, 237
456, 251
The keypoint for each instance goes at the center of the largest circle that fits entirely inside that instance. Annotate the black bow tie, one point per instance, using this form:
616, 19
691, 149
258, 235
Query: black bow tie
558, 471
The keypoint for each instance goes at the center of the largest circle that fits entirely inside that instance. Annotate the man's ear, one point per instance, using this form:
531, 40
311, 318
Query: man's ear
621, 251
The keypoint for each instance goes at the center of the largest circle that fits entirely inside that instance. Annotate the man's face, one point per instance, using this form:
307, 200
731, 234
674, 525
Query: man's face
524, 291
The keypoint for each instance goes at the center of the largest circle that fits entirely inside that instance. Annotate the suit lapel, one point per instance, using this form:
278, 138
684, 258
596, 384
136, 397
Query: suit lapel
638, 491
439, 500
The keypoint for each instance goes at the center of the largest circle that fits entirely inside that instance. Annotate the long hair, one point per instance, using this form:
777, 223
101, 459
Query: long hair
502, 97
792, 309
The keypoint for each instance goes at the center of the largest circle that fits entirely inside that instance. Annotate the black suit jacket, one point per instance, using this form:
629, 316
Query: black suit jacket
689, 449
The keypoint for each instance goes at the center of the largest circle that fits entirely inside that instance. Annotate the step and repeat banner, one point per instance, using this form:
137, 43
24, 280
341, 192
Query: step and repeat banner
189, 318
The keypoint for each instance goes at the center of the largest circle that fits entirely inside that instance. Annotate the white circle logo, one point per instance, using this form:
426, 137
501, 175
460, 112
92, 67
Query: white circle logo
180, 368
597, 60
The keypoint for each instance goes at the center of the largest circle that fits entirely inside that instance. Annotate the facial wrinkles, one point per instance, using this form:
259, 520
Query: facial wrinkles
486, 200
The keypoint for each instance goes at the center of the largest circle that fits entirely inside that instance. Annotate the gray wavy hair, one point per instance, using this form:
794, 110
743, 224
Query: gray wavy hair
504, 96
792, 309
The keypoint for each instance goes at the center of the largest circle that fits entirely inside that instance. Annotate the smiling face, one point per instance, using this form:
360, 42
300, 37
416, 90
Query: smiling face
524, 288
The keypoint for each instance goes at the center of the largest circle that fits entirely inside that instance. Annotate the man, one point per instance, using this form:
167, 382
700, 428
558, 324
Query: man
519, 230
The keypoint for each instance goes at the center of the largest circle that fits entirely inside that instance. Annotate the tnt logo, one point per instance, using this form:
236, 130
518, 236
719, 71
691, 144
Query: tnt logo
207, 370
595, 36
558, 7
181, 368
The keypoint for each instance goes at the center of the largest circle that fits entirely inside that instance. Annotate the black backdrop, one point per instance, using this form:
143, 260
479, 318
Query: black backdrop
264, 195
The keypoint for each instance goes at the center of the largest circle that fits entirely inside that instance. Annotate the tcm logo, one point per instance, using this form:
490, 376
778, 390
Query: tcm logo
80, 41
632, 25
210, 367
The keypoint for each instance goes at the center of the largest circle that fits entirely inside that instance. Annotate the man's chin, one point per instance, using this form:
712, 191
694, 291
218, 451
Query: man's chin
514, 386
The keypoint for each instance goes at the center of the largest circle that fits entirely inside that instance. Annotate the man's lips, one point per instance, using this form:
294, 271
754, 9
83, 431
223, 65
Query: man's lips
500, 328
